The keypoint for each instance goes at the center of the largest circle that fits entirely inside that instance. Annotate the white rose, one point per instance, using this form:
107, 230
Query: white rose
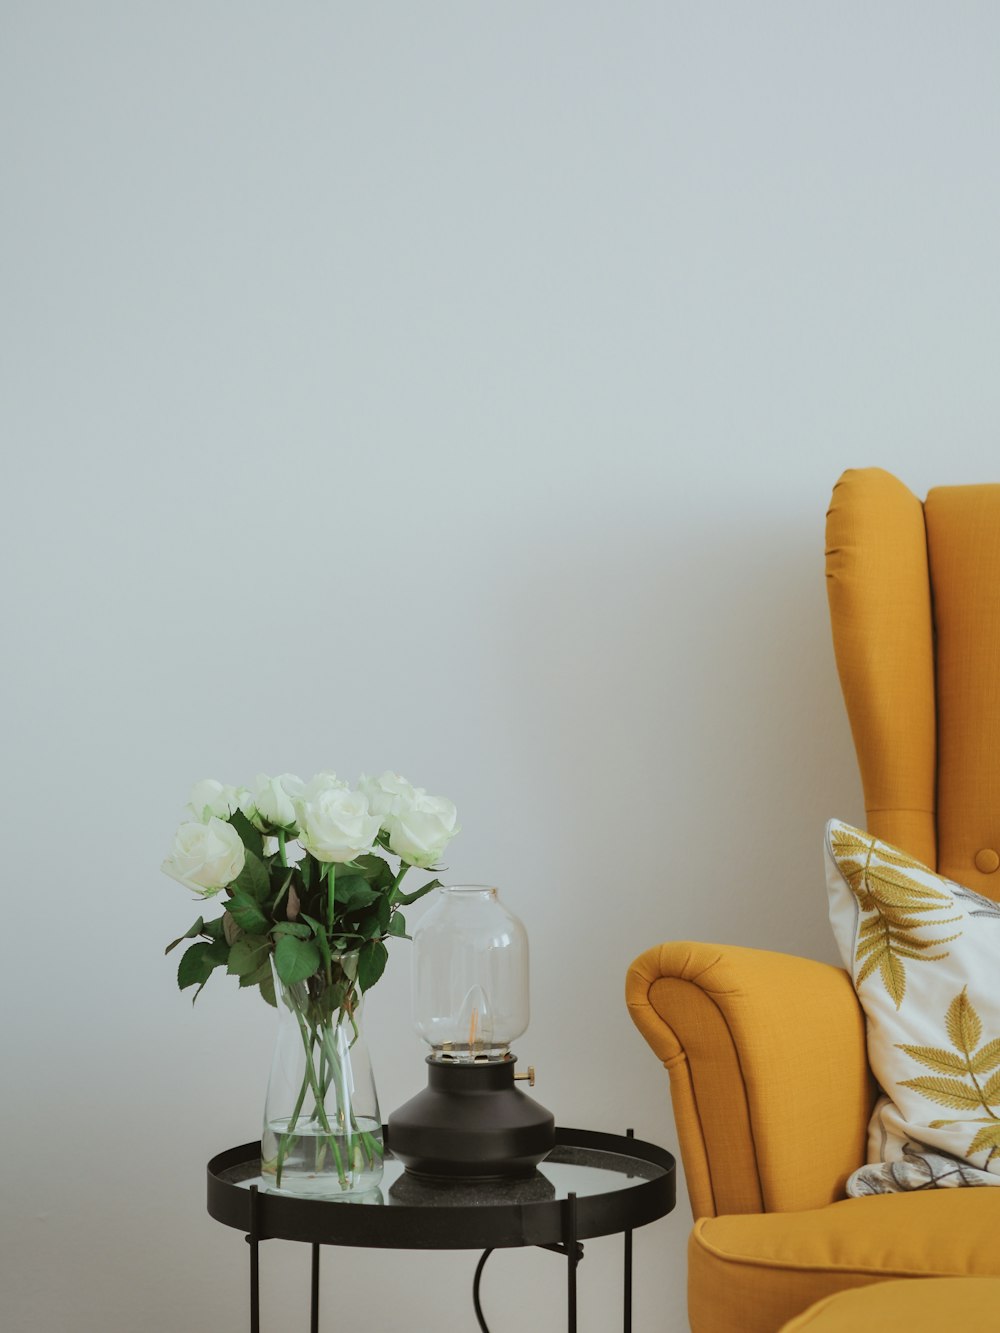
206, 857
271, 802
335, 823
209, 798
323, 782
388, 795
420, 834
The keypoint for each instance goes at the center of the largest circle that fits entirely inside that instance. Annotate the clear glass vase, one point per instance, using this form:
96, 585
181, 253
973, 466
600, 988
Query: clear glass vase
322, 1132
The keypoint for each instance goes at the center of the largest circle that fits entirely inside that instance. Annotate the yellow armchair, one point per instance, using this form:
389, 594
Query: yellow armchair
752, 1093
770, 1121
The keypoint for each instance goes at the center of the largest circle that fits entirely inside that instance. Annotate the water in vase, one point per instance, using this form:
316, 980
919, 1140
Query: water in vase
322, 1161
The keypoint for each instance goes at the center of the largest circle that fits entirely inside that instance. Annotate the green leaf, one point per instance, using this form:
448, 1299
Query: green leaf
366, 866
248, 955
199, 962
247, 914
407, 898
352, 892
371, 963
397, 926
369, 926
216, 930
196, 929
255, 977
292, 928
374, 868
295, 959
266, 985
253, 879
250, 837
321, 940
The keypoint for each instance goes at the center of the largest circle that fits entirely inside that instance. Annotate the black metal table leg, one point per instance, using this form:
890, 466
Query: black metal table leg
572, 1259
314, 1303
627, 1306
253, 1240
619, 1184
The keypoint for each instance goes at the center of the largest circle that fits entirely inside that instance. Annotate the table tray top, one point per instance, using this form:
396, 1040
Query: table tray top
619, 1183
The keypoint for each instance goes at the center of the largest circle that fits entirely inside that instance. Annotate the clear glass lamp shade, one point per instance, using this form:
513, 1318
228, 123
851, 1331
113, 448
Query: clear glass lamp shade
470, 975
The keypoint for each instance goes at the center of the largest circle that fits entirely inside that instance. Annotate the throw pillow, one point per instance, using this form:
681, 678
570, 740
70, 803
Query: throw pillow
923, 953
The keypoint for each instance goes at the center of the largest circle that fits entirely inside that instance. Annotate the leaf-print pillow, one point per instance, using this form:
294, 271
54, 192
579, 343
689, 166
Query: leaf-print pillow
923, 953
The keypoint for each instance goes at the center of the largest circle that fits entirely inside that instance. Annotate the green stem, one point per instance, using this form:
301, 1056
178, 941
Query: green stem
331, 875
285, 1141
357, 1138
403, 868
324, 1083
319, 1095
325, 1044
345, 1108
281, 848
375, 1148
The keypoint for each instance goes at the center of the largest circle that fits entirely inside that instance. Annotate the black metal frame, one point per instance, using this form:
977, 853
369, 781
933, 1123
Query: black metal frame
559, 1225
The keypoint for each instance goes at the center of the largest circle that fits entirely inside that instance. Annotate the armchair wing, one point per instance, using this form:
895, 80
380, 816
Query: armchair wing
768, 1072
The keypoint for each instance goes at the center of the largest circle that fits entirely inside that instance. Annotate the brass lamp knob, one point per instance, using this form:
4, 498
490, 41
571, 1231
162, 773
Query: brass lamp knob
529, 1075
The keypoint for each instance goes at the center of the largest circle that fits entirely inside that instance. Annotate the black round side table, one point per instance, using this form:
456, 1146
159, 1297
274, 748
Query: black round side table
589, 1185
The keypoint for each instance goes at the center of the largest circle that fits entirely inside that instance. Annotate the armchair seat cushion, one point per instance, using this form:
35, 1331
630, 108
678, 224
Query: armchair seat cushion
920, 1305
754, 1272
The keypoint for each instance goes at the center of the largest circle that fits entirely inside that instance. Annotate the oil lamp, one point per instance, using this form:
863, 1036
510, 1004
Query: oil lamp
470, 1001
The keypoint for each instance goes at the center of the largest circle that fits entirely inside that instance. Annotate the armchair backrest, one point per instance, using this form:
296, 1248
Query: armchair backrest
914, 593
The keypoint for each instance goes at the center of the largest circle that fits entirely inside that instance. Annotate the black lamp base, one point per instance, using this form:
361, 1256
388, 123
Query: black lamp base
472, 1122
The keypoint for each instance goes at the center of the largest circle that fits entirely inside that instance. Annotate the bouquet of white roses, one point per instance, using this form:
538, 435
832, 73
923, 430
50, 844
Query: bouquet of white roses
308, 889
303, 871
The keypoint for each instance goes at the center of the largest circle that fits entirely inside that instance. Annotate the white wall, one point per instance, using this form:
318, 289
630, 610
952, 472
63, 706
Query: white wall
456, 388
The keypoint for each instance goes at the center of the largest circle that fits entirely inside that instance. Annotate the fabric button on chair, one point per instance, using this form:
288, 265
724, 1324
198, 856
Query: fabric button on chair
987, 861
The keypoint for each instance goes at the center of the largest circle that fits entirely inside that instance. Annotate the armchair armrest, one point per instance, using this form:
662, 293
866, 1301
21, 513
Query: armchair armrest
768, 1072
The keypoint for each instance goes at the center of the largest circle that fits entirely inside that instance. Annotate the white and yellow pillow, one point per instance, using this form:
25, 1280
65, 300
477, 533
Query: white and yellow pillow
924, 955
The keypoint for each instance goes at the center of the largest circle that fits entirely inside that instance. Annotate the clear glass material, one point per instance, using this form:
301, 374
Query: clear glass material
582, 1171
322, 1133
470, 975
